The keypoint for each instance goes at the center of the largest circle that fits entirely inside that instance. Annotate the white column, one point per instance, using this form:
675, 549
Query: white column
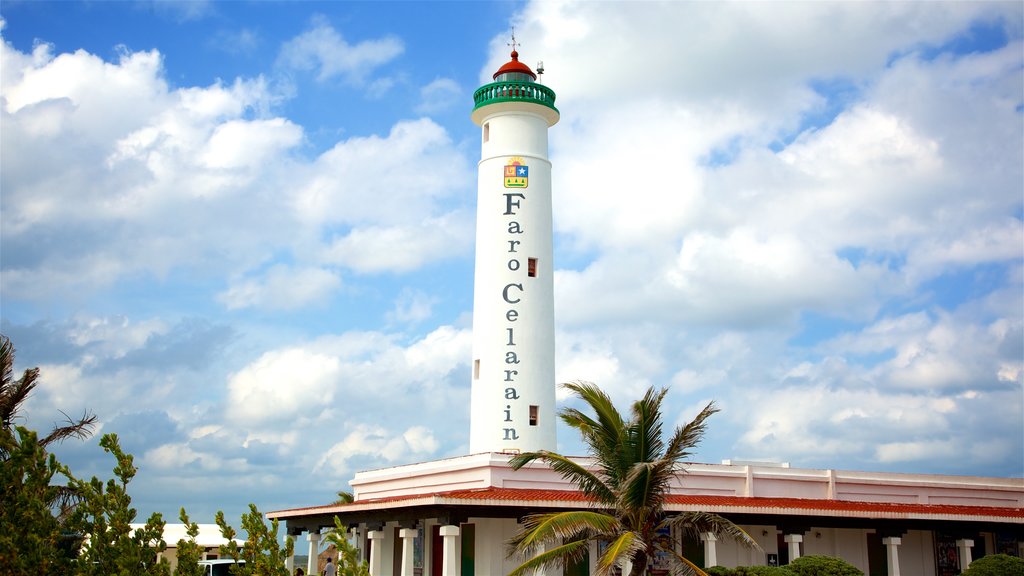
627, 566
892, 554
314, 552
376, 544
289, 562
592, 548
964, 546
794, 541
449, 562
550, 570
408, 536
353, 536
710, 551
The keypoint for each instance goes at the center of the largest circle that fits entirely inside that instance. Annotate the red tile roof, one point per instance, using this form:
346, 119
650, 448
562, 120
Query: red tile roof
682, 502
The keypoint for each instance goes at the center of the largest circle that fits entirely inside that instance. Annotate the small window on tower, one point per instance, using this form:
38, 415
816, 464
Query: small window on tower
531, 267
476, 369
487, 131
533, 415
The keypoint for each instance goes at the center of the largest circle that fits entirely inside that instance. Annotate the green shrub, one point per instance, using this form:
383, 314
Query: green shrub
763, 571
822, 566
996, 565
749, 571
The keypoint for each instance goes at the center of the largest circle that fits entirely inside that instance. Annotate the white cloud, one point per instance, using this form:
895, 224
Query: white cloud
439, 95
910, 451
281, 386
400, 248
189, 179
392, 179
412, 306
282, 288
374, 440
322, 49
240, 144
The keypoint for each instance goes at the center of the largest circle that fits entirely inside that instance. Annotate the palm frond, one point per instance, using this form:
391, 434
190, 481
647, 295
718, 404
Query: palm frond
572, 471
81, 429
683, 566
693, 524
620, 549
645, 426
646, 485
604, 436
13, 393
689, 436
543, 529
568, 553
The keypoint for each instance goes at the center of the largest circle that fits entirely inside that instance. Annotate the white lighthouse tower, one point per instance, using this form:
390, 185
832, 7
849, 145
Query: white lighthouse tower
513, 380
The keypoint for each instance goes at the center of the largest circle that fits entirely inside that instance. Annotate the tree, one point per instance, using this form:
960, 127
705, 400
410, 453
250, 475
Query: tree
261, 552
189, 553
104, 518
629, 486
348, 555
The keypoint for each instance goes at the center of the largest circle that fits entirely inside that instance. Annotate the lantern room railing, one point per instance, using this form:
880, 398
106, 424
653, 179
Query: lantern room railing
514, 92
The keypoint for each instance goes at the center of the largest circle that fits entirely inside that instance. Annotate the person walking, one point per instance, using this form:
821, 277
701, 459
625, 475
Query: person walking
329, 569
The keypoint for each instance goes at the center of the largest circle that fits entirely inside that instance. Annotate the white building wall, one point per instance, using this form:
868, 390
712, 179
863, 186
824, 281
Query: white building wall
917, 553
491, 535
850, 544
732, 554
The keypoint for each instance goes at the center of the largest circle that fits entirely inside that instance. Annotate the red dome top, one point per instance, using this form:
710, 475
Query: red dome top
514, 65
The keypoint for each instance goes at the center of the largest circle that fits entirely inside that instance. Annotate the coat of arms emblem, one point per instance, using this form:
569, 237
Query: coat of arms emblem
517, 174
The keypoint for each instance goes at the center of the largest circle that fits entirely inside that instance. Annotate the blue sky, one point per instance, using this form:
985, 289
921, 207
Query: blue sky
241, 233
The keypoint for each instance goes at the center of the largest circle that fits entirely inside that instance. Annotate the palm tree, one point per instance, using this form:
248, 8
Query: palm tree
628, 483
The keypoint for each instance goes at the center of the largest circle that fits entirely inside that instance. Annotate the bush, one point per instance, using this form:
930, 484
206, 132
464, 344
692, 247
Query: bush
749, 571
996, 565
822, 566
763, 571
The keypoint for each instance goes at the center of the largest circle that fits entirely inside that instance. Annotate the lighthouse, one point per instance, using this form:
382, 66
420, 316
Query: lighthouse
513, 370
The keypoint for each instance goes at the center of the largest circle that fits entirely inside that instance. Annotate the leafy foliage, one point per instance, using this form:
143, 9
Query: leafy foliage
822, 566
261, 552
750, 571
104, 517
633, 469
348, 555
763, 571
996, 565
